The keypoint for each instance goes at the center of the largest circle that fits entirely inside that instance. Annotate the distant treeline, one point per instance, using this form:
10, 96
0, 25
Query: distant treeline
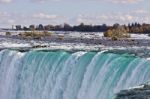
131, 27
65, 27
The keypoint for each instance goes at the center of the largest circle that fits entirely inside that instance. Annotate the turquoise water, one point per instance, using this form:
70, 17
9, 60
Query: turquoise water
64, 75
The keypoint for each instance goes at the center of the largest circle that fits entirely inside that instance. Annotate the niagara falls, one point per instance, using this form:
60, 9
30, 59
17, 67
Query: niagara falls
74, 49
65, 75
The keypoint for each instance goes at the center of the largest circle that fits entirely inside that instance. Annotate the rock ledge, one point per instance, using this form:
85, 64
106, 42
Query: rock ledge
139, 92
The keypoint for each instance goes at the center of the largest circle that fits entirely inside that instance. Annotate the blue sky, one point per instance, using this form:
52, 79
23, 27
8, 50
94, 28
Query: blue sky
25, 12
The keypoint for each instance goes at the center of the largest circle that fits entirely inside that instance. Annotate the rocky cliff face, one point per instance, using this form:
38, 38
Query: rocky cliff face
140, 92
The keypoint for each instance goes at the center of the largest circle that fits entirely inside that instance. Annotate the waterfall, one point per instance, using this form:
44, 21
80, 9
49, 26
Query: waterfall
65, 75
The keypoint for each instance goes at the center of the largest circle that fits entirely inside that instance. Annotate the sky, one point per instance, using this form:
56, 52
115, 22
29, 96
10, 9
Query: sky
74, 12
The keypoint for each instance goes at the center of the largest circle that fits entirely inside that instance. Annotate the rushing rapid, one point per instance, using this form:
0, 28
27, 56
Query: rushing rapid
64, 75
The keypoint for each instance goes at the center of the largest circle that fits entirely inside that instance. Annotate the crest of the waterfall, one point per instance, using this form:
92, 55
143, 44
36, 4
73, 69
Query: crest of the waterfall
65, 75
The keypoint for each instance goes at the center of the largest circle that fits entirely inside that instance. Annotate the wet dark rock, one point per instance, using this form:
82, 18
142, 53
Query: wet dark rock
140, 92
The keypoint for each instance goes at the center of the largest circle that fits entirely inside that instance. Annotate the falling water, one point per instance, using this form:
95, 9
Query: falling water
64, 75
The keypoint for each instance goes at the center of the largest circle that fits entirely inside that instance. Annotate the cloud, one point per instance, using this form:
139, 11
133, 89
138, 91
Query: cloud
5, 1
43, 1
140, 16
125, 1
4, 15
45, 16
111, 18
6, 19
140, 11
11, 21
113, 1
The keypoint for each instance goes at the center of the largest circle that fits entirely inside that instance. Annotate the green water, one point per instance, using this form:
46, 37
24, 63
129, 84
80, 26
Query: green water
64, 75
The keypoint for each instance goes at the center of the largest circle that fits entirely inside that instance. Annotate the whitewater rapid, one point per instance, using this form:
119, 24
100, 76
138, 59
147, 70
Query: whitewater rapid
65, 75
